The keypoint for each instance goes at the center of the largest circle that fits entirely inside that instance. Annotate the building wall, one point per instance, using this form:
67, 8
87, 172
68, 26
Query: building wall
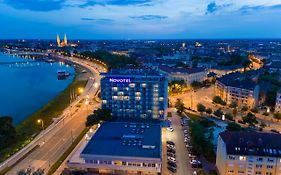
143, 97
241, 96
278, 102
188, 78
244, 164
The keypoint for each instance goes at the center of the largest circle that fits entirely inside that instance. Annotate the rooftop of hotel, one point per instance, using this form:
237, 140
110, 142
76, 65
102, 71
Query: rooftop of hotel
252, 143
130, 70
126, 139
181, 70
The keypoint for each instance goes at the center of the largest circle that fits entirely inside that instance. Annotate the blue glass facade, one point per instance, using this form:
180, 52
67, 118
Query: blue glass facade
135, 93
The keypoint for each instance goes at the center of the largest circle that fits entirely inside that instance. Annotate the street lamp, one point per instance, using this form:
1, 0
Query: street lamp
80, 90
40, 121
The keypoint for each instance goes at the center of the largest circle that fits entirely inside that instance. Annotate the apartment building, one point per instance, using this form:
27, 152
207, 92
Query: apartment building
249, 153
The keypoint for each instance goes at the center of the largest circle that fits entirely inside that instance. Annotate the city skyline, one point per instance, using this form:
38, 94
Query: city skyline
140, 19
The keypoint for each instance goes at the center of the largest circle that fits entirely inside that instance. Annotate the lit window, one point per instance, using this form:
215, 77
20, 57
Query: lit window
161, 112
161, 99
114, 88
230, 171
143, 85
231, 157
138, 98
138, 93
104, 101
126, 98
114, 98
120, 93
242, 158
132, 85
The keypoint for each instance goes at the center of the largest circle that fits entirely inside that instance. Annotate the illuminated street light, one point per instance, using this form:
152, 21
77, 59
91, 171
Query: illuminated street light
80, 90
40, 121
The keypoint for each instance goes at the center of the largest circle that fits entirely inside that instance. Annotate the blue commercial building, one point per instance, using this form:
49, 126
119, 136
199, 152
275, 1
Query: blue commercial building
122, 148
135, 93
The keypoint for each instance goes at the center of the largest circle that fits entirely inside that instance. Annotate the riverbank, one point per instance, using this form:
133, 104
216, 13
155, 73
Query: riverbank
29, 128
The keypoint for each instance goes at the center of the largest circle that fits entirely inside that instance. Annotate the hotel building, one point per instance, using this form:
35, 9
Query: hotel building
120, 148
249, 153
135, 93
278, 102
234, 88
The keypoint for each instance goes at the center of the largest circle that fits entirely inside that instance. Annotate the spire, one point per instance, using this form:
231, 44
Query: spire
58, 40
65, 40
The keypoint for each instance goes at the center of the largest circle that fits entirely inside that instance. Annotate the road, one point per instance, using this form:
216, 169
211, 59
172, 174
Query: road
57, 140
177, 136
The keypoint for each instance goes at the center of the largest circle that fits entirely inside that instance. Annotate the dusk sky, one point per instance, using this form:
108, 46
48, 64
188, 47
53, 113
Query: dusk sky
140, 19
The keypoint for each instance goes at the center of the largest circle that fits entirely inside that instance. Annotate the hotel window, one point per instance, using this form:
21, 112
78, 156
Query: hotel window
161, 112
126, 88
120, 93
114, 88
138, 94
242, 158
132, 85
138, 98
241, 172
231, 157
161, 99
103, 101
259, 159
258, 173
143, 85
258, 166
114, 98
126, 98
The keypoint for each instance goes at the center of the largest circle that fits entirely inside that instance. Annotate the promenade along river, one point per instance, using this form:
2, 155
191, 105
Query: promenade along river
26, 87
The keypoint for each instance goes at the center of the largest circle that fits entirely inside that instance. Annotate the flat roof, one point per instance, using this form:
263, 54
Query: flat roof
125, 139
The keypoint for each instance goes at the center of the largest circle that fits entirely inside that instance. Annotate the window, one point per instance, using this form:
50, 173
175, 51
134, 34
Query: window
259, 159
114, 88
258, 173
258, 166
241, 172
270, 160
242, 158
138, 94
269, 167
268, 173
103, 101
230, 171
143, 85
132, 85
161, 99
231, 157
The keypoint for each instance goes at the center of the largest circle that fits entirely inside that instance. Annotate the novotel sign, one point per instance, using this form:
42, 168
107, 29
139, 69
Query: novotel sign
119, 80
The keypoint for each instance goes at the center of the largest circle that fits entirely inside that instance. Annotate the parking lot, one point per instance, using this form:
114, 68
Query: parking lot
182, 160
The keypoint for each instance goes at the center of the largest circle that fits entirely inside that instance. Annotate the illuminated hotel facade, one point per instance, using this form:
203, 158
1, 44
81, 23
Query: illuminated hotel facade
135, 93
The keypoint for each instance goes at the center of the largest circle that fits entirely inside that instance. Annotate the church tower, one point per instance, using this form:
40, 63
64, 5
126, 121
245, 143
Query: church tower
58, 40
65, 40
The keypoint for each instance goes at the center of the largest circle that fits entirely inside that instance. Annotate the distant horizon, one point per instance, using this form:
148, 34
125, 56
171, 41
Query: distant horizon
141, 39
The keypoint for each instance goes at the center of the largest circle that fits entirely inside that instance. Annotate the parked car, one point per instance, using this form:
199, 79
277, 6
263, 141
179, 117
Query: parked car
172, 159
170, 143
171, 150
171, 154
172, 164
171, 146
172, 169
170, 129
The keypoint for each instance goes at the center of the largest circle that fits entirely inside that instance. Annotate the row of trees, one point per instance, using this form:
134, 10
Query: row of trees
7, 132
111, 60
98, 116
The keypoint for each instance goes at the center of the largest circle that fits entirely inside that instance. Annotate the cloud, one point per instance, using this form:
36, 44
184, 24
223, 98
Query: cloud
246, 9
149, 17
103, 20
115, 2
211, 7
36, 5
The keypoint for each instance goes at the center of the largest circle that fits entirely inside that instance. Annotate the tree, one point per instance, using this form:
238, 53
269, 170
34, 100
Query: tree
262, 125
99, 115
218, 113
209, 111
232, 126
201, 107
233, 104
7, 132
218, 100
244, 108
179, 105
229, 116
234, 112
277, 116
196, 84
251, 119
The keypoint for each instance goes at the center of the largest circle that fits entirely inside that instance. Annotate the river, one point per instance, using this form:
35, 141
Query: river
26, 87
